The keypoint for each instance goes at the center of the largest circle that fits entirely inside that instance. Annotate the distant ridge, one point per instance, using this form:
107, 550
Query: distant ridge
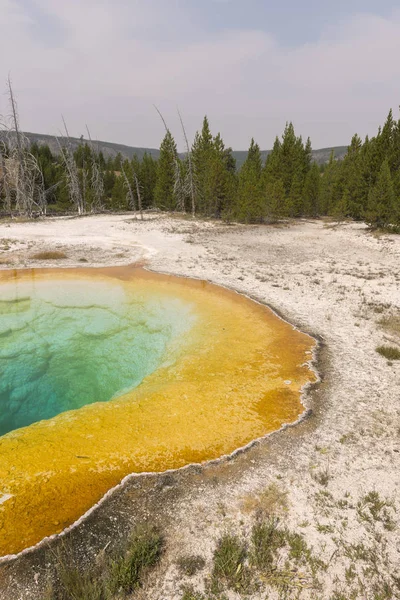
108, 148
320, 156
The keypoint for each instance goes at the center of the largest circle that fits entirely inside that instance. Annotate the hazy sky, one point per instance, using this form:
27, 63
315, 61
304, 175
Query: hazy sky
333, 68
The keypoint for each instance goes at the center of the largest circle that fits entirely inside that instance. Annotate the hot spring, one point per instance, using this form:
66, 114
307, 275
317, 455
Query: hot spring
107, 372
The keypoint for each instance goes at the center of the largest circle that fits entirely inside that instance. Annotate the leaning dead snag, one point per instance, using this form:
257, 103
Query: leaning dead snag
4, 184
129, 191
97, 182
22, 173
74, 188
139, 194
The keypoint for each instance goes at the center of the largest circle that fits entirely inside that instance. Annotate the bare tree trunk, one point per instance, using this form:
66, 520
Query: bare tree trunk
74, 190
97, 182
28, 176
15, 119
5, 185
84, 176
139, 195
129, 191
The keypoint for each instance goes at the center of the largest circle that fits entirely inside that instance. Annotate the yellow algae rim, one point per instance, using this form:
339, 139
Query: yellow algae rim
109, 270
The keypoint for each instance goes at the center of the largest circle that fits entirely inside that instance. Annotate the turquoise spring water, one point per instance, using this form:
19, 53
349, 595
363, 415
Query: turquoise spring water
65, 344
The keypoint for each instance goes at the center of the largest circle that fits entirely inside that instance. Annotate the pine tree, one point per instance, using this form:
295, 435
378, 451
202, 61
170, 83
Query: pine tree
294, 202
109, 182
164, 192
386, 138
102, 162
289, 161
394, 156
219, 178
52, 173
118, 195
355, 183
307, 157
250, 204
292, 157
341, 209
330, 192
275, 199
148, 179
381, 210
202, 157
311, 192
118, 162
272, 168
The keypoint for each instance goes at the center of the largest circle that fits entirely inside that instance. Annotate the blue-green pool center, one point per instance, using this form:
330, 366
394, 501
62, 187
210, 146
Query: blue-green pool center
65, 344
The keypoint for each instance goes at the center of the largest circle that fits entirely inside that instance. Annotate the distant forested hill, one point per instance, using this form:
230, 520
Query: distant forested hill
109, 149
320, 156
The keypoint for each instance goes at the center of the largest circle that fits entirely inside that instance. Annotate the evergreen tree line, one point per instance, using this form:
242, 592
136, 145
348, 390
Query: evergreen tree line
365, 185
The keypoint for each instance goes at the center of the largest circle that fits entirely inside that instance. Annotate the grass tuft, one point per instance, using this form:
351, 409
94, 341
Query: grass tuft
144, 551
229, 564
73, 583
322, 476
111, 579
372, 508
266, 539
391, 324
189, 565
190, 594
49, 255
389, 352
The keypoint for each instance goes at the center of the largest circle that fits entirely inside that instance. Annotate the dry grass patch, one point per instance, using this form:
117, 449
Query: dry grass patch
389, 352
391, 324
374, 508
49, 255
190, 564
271, 501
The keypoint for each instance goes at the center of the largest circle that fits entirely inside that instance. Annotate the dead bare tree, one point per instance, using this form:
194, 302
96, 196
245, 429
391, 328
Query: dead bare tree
23, 173
190, 183
97, 181
129, 191
5, 187
74, 188
138, 193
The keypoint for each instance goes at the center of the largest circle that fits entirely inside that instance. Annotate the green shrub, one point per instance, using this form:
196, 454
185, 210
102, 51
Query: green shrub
123, 574
266, 539
144, 551
389, 352
189, 565
49, 255
229, 564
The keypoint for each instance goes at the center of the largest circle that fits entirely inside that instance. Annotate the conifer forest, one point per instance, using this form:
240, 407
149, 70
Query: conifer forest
204, 180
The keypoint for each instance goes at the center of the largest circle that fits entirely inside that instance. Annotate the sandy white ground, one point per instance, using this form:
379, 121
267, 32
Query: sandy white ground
334, 281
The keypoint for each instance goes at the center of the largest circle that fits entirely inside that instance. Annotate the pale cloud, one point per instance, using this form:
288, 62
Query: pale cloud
114, 60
